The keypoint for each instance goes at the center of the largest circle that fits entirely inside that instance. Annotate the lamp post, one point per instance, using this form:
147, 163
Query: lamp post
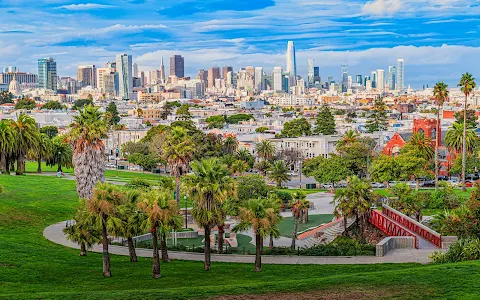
186, 218
59, 161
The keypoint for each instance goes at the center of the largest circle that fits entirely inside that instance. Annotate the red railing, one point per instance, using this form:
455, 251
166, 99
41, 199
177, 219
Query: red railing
421, 230
389, 226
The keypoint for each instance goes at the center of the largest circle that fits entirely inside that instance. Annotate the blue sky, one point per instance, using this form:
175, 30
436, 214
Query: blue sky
439, 39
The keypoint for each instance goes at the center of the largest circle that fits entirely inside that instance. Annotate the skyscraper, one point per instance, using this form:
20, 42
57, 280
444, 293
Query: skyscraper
47, 74
400, 84
86, 75
374, 79
311, 75
344, 69
177, 67
380, 84
124, 70
316, 75
203, 76
225, 71
213, 73
259, 79
162, 72
277, 77
134, 70
291, 59
358, 79
392, 77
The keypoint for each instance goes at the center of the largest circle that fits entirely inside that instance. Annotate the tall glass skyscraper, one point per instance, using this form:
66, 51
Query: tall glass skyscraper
47, 74
291, 59
311, 75
392, 76
344, 69
124, 70
400, 75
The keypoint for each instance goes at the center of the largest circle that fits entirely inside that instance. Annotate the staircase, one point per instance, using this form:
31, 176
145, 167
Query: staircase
324, 234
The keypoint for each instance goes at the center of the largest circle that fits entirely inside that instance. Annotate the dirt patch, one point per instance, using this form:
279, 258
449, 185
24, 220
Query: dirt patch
7, 265
318, 295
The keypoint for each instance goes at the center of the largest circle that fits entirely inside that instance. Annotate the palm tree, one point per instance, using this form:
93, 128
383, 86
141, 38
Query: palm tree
84, 231
262, 217
178, 151
246, 156
61, 153
103, 205
278, 172
87, 131
43, 151
210, 185
27, 138
454, 138
422, 144
441, 95
298, 208
265, 149
238, 167
131, 220
342, 207
263, 166
348, 138
467, 84
230, 144
7, 143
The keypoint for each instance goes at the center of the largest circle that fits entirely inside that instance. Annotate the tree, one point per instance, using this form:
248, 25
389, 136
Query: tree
25, 104
61, 154
261, 215
235, 119
332, 170
82, 103
251, 187
454, 138
422, 145
84, 231
278, 172
296, 128
261, 129
348, 138
467, 84
265, 149
217, 121
384, 169
51, 131
43, 151
27, 138
6, 97
53, 105
299, 207
112, 111
471, 118
230, 144
8, 143
183, 112
263, 166
440, 92
471, 166
378, 120
412, 163
177, 152
103, 205
86, 134
357, 154
325, 123
210, 186
246, 156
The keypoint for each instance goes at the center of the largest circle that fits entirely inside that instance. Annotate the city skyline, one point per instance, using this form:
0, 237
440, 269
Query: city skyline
366, 35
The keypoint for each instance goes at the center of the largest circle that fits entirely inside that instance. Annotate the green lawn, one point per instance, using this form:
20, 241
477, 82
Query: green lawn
458, 191
305, 191
34, 268
286, 226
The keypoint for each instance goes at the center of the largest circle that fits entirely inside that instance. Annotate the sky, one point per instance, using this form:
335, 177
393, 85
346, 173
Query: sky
438, 39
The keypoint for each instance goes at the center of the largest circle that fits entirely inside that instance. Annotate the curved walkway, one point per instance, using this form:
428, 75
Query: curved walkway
54, 233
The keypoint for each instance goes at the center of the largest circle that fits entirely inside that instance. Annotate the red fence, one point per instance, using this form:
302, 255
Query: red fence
389, 226
421, 230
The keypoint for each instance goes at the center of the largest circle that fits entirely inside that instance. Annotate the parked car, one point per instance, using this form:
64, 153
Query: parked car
378, 185
326, 185
467, 183
393, 183
429, 183
341, 185
413, 184
453, 182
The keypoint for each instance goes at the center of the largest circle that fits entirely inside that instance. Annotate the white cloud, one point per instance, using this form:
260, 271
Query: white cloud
382, 7
125, 28
86, 6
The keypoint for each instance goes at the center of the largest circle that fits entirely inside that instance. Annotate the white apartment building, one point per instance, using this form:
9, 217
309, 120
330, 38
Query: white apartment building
309, 146
293, 100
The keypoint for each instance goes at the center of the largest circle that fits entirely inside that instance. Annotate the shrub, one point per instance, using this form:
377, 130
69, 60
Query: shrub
341, 246
451, 201
286, 197
462, 250
139, 183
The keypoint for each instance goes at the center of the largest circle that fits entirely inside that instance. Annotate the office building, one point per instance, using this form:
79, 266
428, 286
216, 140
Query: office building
125, 78
225, 71
316, 75
392, 76
400, 84
291, 59
259, 79
213, 73
87, 75
277, 77
310, 75
177, 66
380, 84
162, 72
22, 78
203, 75
344, 70
47, 74
112, 65
374, 79
358, 80
134, 70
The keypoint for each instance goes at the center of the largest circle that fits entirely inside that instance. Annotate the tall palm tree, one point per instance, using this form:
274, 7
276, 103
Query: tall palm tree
87, 131
178, 150
210, 185
298, 207
265, 149
348, 138
278, 172
27, 138
262, 217
43, 151
441, 95
342, 207
263, 166
230, 144
422, 144
7, 143
454, 138
84, 231
103, 205
467, 84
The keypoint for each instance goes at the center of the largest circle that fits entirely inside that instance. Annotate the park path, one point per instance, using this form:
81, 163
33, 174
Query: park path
54, 233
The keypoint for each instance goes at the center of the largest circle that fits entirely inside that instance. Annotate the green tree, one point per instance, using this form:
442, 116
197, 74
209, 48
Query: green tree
299, 208
471, 118
8, 144
210, 186
332, 170
278, 172
235, 119
325, 123
217, 121
348, 138
265, 149
230, 144
261, 215
261, 129
112, 111
246, 156
84, 231
62, 154
384, 169
177, 152
27, 139
6, 97
25, 104
43, 150
263, 166
251, 187
51, 131
454, 138
412, 164
472, 165
378, 120
53, 105
420, 144
82, 103
357, 154
183, 112
467, 84
296, 128
86, 137
440, 92
103, 205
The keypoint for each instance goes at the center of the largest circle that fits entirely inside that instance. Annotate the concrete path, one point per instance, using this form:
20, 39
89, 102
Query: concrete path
54, 233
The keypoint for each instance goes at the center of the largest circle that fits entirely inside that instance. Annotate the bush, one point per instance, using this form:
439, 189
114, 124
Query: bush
286, 197
462, 250
444, 197
139, 183
341, 246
